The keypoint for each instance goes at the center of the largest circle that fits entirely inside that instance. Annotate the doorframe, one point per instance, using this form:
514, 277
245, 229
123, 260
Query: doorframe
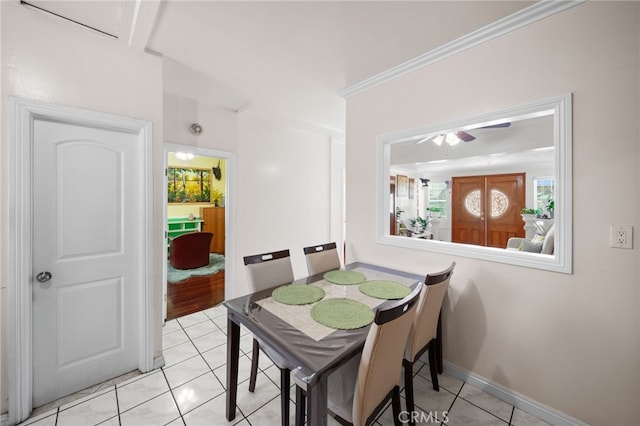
229, 157
22, 113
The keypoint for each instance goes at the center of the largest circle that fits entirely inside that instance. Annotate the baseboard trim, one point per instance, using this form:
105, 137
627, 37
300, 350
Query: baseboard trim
4, 419
535, 408
158, 362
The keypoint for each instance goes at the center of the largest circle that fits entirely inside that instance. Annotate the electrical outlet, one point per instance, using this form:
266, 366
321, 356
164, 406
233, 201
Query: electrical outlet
621, 236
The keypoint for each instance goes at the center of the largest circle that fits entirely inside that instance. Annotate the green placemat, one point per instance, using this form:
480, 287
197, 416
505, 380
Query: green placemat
297, 294
344, 277
382, 289
342, 314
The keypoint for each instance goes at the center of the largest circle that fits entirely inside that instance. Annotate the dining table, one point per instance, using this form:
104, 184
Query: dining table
313, 350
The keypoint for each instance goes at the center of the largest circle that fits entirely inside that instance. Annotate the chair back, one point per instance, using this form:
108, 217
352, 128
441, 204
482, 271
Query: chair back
425, 323
269, 269
191, 250
322, 258
381, 362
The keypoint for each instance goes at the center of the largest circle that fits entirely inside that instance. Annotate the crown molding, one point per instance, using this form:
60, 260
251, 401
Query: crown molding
515, 21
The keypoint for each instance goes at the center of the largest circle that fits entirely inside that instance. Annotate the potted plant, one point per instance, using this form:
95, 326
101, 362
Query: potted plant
528, 212
529, 216
550, 207
419, 224
435, 211
422, 222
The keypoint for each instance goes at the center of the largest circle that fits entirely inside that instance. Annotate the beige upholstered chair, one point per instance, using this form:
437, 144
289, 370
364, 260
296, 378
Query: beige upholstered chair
542, 242
424, 330
264, 271
379, 370
322, 258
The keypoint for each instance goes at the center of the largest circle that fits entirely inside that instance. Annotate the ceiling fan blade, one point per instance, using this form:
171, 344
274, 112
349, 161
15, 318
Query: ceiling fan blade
464, 136
493, 126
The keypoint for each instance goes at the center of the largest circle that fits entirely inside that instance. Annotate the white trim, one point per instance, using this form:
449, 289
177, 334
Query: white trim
513, 22
22, 114
158, 362
535, 408
561, 261
229, 245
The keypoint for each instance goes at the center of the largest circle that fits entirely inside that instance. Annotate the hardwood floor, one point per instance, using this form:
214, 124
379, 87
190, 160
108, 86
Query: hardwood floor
194, 294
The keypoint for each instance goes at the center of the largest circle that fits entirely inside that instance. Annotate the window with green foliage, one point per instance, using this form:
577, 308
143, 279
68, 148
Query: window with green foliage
543, 193
188, 185
438, 196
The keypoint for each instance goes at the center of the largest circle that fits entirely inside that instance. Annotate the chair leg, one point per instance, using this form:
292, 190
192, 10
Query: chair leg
301, 402
395, 404
433, 365
285, 384
408, 387
438, 345
254, 365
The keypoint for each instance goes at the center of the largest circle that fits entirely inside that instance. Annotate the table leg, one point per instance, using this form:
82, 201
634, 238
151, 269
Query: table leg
233, 355
438, 345
317, 403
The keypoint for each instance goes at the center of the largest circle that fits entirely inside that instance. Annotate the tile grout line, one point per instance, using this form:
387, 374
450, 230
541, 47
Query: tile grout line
207, 364
483, 409
175, 401
115, 389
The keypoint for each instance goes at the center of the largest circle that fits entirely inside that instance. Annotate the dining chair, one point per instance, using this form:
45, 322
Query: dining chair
379, 369
264, 271
322, 258
423, 333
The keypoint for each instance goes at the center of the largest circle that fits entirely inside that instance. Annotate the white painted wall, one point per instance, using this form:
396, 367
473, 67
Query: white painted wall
50, 60
219, 124
284, 189
285, 170
570, 342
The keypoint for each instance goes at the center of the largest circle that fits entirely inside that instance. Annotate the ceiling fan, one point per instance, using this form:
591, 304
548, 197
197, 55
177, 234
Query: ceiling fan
454, 138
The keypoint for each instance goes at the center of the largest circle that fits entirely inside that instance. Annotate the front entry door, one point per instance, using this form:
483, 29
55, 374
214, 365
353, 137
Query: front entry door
486, 209
86, 256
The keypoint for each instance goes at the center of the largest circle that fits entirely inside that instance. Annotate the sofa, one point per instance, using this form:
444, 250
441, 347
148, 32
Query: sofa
542, 243
191, 250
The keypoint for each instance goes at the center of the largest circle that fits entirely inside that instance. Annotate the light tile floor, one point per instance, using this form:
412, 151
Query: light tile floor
190, 390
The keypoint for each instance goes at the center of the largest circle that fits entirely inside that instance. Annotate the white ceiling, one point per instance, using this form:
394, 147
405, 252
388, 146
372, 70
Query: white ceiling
525, 144
291, 56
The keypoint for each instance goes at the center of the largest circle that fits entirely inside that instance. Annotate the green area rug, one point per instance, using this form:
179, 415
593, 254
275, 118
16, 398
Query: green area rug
297, 294
216, 264
383, 289
342, 313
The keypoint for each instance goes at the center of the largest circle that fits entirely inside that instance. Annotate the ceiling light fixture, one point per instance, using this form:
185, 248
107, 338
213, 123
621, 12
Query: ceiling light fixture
184, 156
452, 139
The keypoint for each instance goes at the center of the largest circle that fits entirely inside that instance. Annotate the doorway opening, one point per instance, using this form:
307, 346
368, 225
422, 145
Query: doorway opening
197, 188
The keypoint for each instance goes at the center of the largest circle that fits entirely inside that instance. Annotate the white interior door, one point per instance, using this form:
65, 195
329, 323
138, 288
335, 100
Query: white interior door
86, 198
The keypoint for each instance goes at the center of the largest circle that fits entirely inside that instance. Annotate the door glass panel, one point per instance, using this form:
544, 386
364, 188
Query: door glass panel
472, 202
499, 203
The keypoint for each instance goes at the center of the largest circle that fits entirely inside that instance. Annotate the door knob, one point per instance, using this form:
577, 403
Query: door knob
43, 277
